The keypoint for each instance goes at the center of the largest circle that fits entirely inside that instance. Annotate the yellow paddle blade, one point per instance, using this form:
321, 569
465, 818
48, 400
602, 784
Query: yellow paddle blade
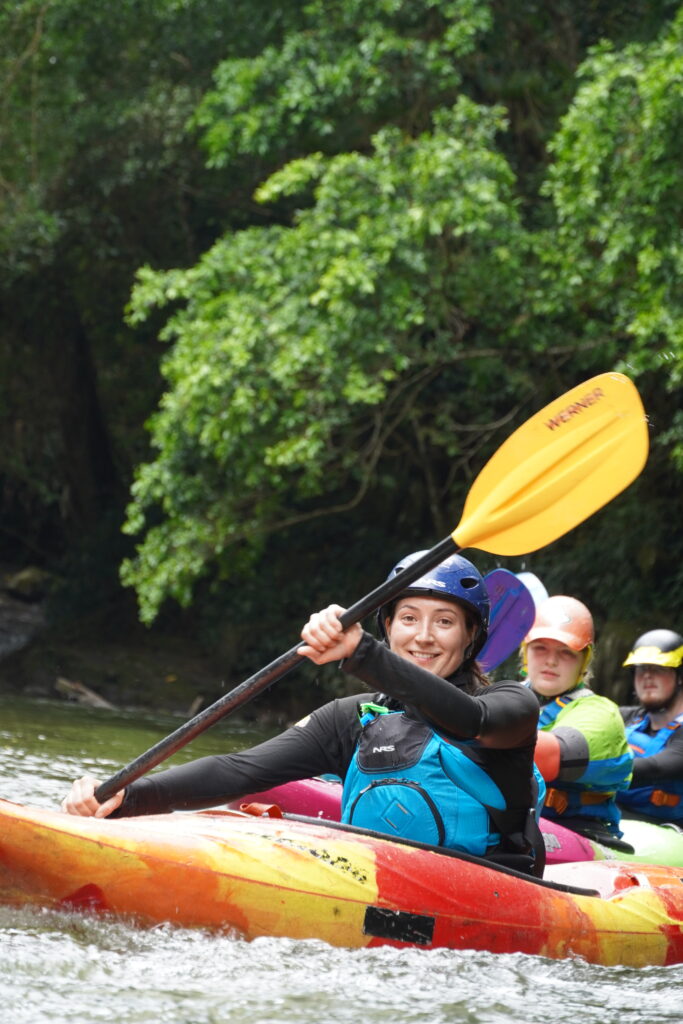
559, 467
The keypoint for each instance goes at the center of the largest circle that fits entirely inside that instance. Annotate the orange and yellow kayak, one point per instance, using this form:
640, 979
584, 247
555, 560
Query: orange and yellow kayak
308, 879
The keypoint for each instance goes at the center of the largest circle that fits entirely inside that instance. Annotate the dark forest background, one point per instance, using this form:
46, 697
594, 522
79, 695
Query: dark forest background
276, 279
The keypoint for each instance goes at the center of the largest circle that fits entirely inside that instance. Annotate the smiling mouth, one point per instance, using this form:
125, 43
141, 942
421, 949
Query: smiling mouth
424, 655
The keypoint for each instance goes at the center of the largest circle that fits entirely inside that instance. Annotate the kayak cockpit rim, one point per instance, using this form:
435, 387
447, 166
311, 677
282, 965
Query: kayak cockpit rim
442, 851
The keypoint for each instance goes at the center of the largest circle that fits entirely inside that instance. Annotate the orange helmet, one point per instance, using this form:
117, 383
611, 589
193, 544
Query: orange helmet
564, 619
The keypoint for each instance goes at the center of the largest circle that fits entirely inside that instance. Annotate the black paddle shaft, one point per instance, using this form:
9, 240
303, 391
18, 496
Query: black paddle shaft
276, 670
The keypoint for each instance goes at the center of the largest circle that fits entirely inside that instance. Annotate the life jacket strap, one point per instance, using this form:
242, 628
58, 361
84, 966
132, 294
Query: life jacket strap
558, 800
589, 797
661, 799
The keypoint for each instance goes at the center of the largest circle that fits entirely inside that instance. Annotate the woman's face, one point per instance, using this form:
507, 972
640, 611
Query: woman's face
430, 632
552, 667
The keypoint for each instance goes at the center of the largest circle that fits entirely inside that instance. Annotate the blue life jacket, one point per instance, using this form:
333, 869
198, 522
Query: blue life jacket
663, 801
594, 796
408, 780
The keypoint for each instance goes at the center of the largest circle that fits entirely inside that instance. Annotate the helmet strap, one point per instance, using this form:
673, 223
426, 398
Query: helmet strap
587, 658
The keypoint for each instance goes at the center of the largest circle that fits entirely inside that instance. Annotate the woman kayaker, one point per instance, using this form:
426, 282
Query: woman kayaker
432, 752
581, 751
653, 728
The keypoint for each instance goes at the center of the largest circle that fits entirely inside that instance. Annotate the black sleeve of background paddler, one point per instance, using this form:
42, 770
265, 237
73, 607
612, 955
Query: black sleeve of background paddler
574, 753
667, 764
321, 743
503, 715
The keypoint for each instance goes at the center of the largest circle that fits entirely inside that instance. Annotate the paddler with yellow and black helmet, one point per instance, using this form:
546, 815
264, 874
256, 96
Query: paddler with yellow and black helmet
581, 749
653, 728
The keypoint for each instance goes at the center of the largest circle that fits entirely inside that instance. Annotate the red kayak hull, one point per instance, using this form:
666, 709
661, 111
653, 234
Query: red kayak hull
257, 876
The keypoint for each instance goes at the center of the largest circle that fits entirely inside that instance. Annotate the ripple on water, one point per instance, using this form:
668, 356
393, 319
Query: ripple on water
61, 967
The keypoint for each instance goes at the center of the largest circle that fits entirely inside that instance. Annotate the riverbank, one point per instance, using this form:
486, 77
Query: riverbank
46, 653
103, 655
107, 657
131, 670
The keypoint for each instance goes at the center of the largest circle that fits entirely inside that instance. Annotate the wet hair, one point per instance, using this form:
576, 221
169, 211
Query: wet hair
477, 681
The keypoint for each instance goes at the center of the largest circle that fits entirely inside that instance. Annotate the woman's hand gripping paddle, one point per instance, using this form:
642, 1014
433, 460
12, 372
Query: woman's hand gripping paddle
563, 464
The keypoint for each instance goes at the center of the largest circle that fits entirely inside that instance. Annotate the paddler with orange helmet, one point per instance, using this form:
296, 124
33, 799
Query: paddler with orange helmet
581, 751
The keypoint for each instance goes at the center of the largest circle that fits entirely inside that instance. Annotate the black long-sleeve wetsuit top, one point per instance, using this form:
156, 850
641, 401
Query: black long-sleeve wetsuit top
667, 764
502, 716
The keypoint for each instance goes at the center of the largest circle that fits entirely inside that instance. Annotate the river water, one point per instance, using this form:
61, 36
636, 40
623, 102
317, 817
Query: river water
63, 967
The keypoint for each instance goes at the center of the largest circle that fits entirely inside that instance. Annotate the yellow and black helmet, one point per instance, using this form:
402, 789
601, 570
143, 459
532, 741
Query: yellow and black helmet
658, 647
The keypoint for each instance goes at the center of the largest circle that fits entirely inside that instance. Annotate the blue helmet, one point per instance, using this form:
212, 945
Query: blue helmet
457, 580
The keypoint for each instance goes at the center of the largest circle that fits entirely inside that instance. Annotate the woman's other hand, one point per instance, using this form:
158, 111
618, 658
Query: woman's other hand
81, 799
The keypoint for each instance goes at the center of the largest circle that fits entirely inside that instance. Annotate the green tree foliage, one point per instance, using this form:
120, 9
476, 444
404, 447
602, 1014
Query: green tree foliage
615, 183
307, 356
97, 173
358, 349
374, 237
354, 66
610, 277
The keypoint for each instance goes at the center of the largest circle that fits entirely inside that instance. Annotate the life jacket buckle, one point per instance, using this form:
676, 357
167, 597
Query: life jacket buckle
557, 800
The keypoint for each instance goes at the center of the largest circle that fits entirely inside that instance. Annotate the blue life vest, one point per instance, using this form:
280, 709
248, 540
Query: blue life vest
408, 780
594, 796
663, 801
